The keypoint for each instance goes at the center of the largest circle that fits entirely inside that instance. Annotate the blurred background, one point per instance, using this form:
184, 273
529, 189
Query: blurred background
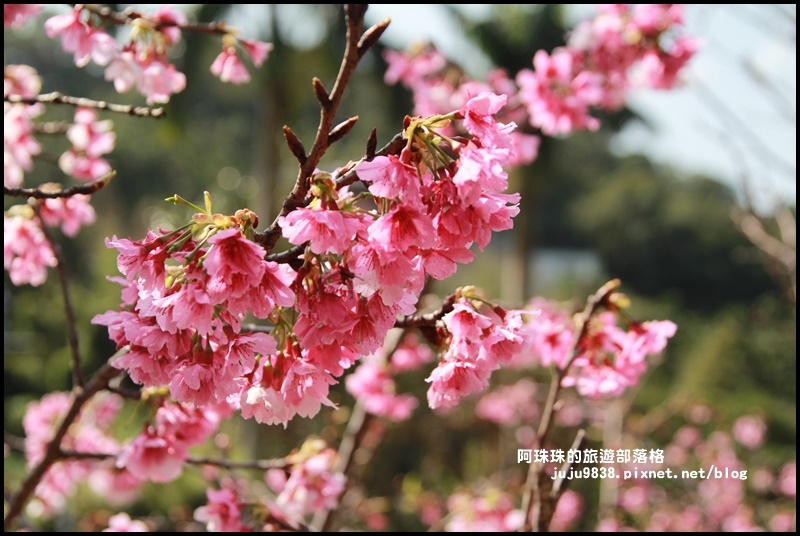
687, 196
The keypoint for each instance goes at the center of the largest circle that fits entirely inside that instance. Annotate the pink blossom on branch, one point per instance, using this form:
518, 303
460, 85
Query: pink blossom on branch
26, 252
81, 39
70, 213
16, 15
229, 68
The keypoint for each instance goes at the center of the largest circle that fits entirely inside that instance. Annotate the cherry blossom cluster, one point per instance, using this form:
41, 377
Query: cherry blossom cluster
480, 339
184, 296
311, 484
143, 61
623, 47
605, 361
89, 433
490, 509
89, 137
117, 470
186, 291
27, 253
717, 503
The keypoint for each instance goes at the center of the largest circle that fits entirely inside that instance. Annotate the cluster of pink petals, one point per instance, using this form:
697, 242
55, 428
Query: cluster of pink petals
222, 513
491, 511
88, 434
624, 46
159, 452
510, 405
19, 143
26, 252
312, 484
609, 359
122, 522
143, 61
187, 334
427, 74
90, 140
229, 67
16, 15
372, 385
481, 340
713, 504
79, 37
68, 212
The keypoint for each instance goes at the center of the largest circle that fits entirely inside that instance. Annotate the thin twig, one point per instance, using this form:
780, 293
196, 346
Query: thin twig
80, 189
80, 396
427, 319
129, 15
533, 496
329, 104
69, 310
57, 98
257, 465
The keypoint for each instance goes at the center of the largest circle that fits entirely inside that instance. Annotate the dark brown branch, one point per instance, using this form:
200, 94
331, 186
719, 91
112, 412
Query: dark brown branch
291, 256
69, 310
57, 98
427, 319
533, 497
128, 16
372, 144
354, 18
546, 493
560, 485
257, 465
98, 382
81, 189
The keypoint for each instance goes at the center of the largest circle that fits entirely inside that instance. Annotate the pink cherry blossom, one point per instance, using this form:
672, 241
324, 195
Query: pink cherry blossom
16, 15
750, 431
22, 80
372, 385
492, 511
159, 80
152, 457
229, 68
19, 143
257, 50
26, 252
390, 176
85, 42
509, 405
169, 20
453, 380
222, 513
70, 213
410, 354
124, 70
313, 484
327, 231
